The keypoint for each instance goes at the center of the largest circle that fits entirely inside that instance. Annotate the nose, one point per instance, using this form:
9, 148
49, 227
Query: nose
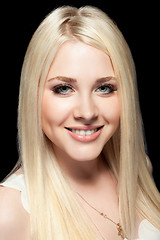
86, 110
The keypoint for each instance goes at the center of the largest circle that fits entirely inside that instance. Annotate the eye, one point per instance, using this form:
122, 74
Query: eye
106, 89
62, 89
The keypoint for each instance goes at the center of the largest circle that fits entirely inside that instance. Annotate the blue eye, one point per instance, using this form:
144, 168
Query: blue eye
106, 89
62, 89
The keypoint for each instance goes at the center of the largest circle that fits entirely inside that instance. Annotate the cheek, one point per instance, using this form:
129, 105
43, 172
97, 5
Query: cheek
111, 111
54, 112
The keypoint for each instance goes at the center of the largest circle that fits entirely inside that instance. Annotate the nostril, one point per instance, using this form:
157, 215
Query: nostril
87, 121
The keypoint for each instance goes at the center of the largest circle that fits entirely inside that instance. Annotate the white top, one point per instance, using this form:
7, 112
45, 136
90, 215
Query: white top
146, 230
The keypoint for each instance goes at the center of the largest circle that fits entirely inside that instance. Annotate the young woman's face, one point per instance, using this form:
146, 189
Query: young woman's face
80, 105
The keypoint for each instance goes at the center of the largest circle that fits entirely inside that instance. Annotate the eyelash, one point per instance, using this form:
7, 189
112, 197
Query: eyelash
58, 89
63, 87
108, 86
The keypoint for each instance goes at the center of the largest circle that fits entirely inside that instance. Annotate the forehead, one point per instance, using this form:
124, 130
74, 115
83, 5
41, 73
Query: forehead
77, 58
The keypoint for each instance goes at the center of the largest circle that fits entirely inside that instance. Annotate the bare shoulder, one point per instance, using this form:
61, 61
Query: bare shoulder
14, 220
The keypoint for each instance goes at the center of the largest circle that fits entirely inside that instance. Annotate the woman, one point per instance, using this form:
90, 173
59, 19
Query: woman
82, 171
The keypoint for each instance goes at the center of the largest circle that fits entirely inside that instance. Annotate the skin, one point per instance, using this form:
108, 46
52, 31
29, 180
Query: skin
85, 103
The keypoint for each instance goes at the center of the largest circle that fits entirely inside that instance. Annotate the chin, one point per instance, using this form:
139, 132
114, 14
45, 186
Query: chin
85, 155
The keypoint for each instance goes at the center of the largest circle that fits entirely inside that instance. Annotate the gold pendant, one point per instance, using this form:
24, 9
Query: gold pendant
120, 231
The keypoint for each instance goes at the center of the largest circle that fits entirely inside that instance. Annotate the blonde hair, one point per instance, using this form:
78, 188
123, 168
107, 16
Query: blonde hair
55, 211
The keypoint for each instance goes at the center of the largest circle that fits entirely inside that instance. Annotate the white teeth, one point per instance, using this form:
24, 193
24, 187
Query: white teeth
89, 132
84, 133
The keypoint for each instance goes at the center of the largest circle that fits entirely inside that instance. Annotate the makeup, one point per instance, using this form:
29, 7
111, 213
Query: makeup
85, 134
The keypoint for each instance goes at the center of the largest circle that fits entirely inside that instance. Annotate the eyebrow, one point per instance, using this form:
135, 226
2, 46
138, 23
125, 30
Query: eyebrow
64, 79
105, 79
73, 80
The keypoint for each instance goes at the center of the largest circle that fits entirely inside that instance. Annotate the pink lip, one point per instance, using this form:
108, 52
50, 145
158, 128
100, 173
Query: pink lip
86, 138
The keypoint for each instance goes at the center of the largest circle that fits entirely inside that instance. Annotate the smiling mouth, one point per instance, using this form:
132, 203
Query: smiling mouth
84, 132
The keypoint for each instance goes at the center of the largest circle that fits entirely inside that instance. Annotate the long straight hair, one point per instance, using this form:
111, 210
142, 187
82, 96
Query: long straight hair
55, 212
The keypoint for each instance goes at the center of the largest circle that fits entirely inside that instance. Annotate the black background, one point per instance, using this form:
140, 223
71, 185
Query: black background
139, 23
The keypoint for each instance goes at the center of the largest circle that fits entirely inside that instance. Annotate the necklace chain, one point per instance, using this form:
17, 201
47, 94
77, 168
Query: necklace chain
118, 226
